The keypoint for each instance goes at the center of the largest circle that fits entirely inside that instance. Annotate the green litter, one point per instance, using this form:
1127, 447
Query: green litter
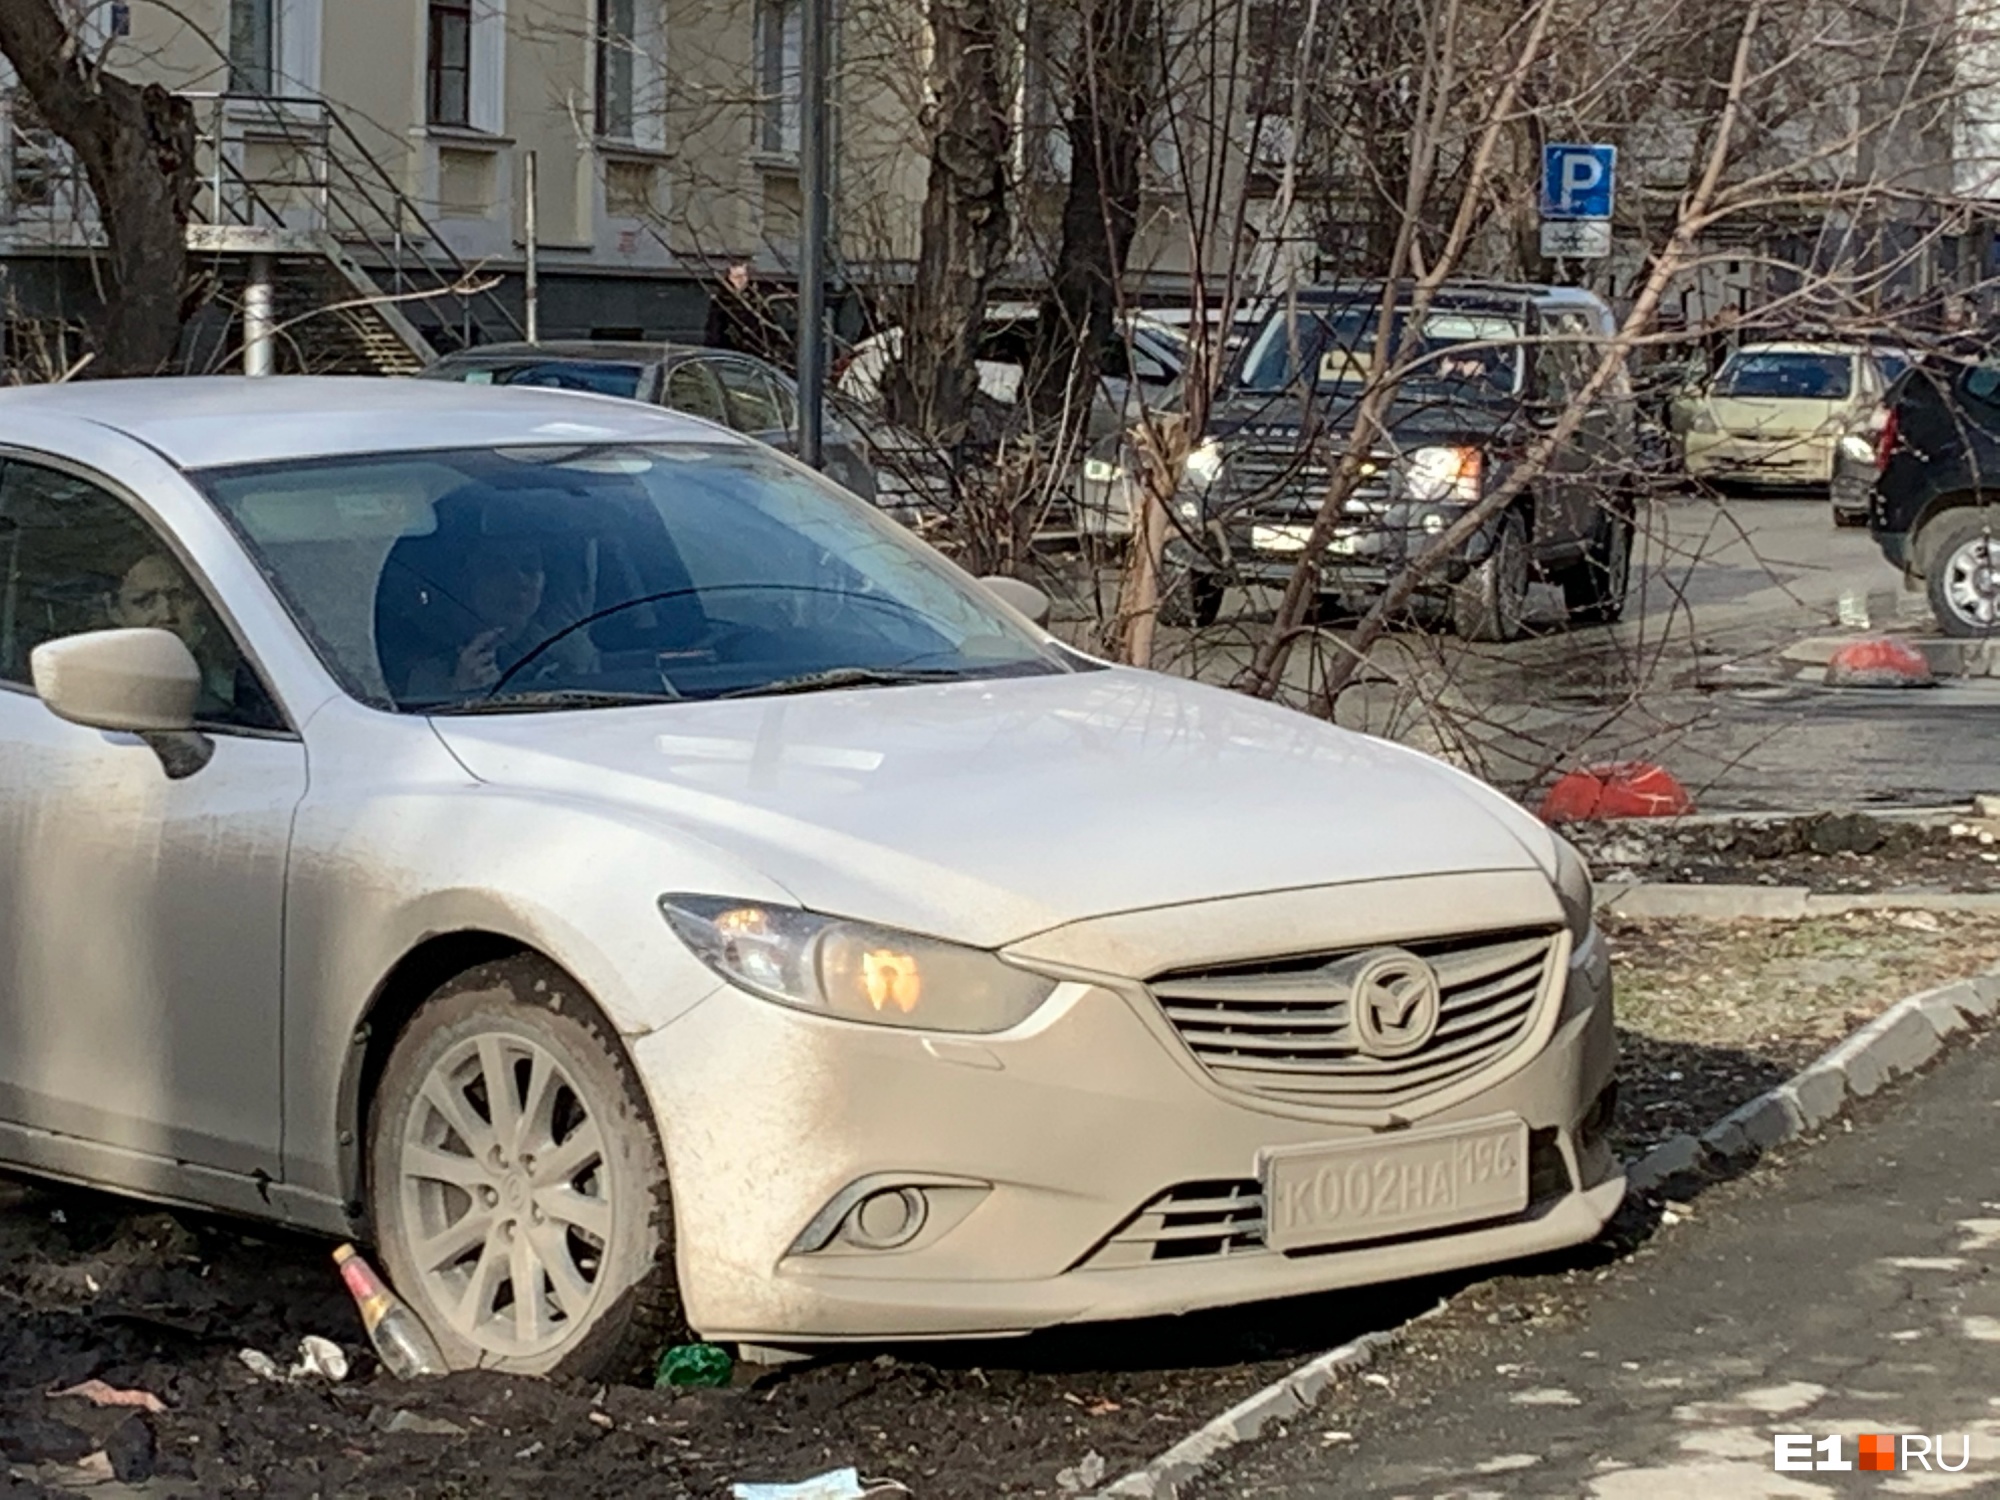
693, 1365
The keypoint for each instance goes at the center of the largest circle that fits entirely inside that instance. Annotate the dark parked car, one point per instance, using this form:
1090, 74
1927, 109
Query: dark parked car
1498, 360
734, 389
1936, 505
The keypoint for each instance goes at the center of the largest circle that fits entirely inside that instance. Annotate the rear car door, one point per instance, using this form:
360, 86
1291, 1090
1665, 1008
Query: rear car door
756, 406
1569, 489
141, 915
690, 386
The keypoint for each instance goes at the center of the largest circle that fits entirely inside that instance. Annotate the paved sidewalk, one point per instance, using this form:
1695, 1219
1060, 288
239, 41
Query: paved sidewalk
1852, 1287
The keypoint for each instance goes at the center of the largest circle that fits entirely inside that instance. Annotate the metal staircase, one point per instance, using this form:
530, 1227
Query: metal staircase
328, 251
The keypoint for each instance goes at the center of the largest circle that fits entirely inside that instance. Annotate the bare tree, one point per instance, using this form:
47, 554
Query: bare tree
136, 145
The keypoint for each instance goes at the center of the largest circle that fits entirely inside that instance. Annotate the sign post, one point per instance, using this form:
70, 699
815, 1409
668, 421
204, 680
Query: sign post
1576, 201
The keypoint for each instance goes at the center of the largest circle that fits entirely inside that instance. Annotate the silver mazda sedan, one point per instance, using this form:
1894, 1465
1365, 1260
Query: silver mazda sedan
643, 890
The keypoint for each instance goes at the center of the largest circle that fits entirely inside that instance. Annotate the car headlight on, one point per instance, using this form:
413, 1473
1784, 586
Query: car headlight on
1575, 889
1101, 471
1432, 474
1857, 449
854, 970
1204, 462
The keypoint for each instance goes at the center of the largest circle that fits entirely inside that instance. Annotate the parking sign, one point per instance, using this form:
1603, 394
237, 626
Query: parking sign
1576, 181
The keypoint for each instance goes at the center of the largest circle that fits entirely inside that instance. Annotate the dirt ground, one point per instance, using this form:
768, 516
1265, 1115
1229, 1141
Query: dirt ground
96, 1288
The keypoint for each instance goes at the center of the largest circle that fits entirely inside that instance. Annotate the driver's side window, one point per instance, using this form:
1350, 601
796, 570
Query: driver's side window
75, 558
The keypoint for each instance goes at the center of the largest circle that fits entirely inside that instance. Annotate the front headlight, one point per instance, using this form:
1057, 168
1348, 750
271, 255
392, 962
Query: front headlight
1574, 888
1204, 462
1703, 420
1432, 474
854, 970
1101, 471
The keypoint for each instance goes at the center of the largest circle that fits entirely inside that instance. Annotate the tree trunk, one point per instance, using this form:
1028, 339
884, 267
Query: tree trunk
137, 148
1113, 92
965, 231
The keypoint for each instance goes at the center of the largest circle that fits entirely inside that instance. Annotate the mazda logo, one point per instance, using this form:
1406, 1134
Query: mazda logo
1394, 1005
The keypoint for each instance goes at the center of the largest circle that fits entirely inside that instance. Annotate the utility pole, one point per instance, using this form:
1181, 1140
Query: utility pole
814, 67
531, 277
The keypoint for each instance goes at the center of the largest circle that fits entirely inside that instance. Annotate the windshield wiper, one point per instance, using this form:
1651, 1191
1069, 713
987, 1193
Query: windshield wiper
848, 677
545, 699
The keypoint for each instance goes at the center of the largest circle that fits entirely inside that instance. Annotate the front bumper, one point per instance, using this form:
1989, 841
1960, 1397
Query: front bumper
1363, 553
1037, 1146
1775, 461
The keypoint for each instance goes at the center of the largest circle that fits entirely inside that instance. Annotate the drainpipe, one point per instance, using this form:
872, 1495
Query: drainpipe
259, 319
531, 275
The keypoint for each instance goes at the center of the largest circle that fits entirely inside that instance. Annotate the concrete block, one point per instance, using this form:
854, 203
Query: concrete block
1764, 1122
1677, 1156
1900, 1041
1986, 805
1818, 1094
1725, 902
1949, 1009
1985, 995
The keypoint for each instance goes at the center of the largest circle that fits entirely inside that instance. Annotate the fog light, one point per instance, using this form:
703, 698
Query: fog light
886, 1220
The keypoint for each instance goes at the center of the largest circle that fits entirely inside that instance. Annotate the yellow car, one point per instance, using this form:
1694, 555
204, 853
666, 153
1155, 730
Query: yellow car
1773, 415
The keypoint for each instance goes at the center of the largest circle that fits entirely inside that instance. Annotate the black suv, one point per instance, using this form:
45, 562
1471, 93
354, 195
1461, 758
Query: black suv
1497, 362
1936, 505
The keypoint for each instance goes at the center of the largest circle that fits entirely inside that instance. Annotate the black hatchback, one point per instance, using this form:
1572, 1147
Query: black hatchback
739, 392
1936, 505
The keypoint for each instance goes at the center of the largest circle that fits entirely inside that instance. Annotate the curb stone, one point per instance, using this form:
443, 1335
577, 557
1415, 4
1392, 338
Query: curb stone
1899, 1041
1287, 1396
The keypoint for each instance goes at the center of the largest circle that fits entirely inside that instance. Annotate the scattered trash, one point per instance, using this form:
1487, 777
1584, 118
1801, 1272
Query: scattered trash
530, 1451
1087, 1475
398, 1334
96, 1467
602, 1419
260, 1364
1919, 921
321, 1357
835, 1484
1853, 609
1376, 1377
97, 1393
417, 1422
694, 1365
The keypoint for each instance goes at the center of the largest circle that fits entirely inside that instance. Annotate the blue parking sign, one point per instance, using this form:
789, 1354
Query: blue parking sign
1576, 181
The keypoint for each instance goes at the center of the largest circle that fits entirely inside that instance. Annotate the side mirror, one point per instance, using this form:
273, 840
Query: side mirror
143, 682
1021, 596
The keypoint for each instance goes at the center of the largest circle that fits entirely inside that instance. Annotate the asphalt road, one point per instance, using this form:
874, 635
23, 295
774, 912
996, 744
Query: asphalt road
1692, 678
1852, 1288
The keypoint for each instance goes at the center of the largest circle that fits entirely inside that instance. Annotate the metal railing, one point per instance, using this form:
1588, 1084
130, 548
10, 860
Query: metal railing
319, 177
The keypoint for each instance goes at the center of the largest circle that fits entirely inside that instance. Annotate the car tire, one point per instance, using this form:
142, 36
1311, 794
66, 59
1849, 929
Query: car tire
1961, 549
1191, 599
1490, 602
1594, 588
586, 1217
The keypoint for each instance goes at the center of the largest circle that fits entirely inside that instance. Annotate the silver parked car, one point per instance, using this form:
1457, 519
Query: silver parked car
640, 888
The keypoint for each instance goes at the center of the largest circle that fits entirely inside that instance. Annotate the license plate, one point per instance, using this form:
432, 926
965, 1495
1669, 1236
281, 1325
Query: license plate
1395, 1184
1294, 538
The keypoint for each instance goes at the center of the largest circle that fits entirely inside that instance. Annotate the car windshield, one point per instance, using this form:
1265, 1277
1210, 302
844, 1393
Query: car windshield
1786, 376
483, 579
605, 379
1475, 352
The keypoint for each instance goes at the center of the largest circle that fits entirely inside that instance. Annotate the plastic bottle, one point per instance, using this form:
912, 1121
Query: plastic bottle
693, 1365
398, 1334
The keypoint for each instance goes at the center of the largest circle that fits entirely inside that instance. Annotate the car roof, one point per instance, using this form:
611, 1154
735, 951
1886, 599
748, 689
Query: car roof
1463, 294
207, 421
608, 351
1797, 346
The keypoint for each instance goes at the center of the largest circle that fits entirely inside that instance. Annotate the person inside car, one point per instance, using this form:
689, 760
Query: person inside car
155, 593
507, 636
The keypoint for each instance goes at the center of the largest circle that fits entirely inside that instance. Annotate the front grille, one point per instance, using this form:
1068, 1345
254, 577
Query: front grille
1282, 482
1282, 1030
1195, 1221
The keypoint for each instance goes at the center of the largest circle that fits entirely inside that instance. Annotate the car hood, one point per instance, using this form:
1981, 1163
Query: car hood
988, 810
1774, 416
1423, 415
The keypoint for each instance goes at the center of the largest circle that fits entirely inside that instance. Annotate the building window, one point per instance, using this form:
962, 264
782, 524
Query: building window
780, 38
449, 72
617, 56
253, 46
